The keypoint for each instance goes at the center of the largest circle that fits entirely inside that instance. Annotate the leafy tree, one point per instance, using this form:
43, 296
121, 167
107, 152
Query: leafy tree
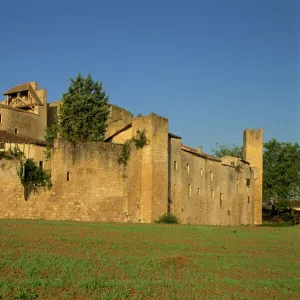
281, 180
228, 150
84, 111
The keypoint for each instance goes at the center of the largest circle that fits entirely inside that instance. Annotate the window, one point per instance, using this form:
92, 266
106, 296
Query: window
201, 172
0, 118
198, 191
248, 199
211, 176
175, 165
68, 176
188, 168
41, 165
247, 182
16, 130
190, 190
221, 199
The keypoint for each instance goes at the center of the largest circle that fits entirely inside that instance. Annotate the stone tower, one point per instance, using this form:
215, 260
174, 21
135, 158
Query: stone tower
253, 153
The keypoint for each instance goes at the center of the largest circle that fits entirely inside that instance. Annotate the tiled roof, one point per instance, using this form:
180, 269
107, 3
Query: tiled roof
19, 139
18, 88
195, 152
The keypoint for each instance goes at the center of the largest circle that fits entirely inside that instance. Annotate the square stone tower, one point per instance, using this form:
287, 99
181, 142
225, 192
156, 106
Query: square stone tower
253, 153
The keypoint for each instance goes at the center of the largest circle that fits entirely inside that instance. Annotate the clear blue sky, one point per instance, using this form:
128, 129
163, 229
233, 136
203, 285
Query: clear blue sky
212, 67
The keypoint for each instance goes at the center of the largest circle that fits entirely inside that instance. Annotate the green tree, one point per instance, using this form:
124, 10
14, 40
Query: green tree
84, 111
281, 171
228, 150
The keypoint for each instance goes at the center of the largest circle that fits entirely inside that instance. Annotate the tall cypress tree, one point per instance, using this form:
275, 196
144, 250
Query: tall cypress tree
84, 111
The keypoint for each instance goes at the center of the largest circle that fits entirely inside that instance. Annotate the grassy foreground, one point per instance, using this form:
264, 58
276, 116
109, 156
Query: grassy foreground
71, 260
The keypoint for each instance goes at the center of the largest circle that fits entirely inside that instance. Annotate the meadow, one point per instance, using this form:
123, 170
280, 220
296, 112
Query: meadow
72, 260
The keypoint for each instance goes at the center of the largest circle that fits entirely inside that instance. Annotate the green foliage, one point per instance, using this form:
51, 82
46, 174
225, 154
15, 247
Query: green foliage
12, 153
32, 177
25, 295
141, 140
125, 154
51, 134
228, 150
139, 143
84, 111
281, 176
167, 218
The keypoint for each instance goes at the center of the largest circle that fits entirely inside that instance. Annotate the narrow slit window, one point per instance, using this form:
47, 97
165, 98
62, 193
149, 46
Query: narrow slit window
68, 176
41, 165
198, 191
0, 118
211, 176
248, 199
201, 172
190, 190
188, 168
221, 199
175, 165
16, 131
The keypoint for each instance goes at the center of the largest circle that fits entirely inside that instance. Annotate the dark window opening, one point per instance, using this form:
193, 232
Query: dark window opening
68, 176
41, 165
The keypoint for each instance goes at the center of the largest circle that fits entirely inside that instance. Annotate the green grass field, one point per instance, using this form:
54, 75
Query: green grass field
71, 260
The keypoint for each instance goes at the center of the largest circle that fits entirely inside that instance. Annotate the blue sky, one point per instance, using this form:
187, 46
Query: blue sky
213, 68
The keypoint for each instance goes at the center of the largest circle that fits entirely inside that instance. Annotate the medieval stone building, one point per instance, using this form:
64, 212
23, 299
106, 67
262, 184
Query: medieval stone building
90, 183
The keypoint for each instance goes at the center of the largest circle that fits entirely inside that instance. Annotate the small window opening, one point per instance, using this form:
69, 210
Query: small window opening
247, 182
190, 190
41, 165
232, 163
0, 118
248, 199
211, 176
16, 130
188, 168
198, 191
221, 199
175, 165
68, 176
201, 172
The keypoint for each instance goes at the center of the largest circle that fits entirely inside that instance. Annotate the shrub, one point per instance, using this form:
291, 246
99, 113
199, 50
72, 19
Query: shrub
167, 218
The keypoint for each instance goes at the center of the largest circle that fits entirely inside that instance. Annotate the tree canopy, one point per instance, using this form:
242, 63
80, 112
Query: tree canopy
84, 111
228, 150
281, 180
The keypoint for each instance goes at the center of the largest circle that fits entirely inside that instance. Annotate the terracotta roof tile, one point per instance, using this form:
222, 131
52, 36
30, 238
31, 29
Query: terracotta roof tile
18, 88
19, 139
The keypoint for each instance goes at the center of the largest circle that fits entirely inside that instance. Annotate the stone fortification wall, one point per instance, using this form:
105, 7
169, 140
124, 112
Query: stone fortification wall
27, 124
206, 191
88, 184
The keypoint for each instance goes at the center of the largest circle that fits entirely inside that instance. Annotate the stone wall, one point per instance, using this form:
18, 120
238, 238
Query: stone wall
208, 191
253, 153
90, 184
27, 124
